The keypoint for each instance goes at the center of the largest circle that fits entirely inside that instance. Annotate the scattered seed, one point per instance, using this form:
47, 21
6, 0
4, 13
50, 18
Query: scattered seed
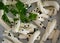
44, 27
9, 34
47, 39
40, 23
48, 20
39, 12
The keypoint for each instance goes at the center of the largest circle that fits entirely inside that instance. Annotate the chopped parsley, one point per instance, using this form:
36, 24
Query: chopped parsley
21, 10
32, 16
1, 5
14, 12
5, 18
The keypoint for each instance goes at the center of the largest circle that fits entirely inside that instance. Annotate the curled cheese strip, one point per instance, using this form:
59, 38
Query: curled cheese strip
51, 3
4, 25
34, 36
6, 41
49, 29
22, 36
38, 22
40, 6
17, 26
12, 38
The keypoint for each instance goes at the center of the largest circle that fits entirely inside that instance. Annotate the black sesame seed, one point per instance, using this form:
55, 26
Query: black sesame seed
11, 0
47, 39
11, 22
48, 20
35, 29
40, 24
2, 40
9, 34
11, 26
37, 8
44, 27
31, 33
54, 29
41, 17
29, 7
14, 36
37, 37
28, 25
34, 10
39, 12
16, 23
38, 17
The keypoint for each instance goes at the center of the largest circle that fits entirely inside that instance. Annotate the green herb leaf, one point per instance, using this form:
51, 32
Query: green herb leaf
6, 9
24, 18
22, 11
14, 12
19, 5
5, 18
1, 5
32, 16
